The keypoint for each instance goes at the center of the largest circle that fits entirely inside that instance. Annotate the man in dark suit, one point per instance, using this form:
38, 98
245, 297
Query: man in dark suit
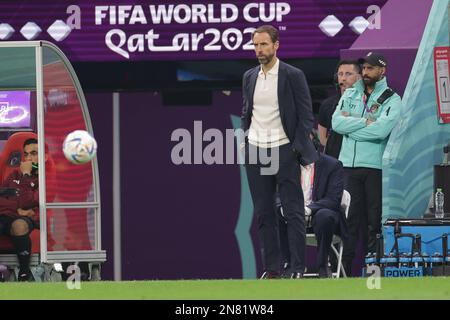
277, 114
323, 206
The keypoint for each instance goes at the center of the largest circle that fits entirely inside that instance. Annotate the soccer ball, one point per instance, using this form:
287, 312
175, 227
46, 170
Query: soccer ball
79, 147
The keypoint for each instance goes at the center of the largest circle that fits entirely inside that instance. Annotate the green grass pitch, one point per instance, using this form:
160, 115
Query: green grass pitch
354, 288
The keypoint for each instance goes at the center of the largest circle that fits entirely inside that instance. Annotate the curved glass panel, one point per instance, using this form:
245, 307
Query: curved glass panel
71, 229
65, 181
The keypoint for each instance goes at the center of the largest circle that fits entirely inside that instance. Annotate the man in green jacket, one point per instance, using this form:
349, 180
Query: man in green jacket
365, 116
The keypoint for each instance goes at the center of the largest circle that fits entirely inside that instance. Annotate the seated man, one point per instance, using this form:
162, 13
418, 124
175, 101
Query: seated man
19, 215
323, 184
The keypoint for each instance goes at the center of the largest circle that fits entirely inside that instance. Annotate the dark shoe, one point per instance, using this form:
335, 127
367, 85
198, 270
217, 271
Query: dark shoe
270, 275
84, 271
286, 273
297, 275
25, 276
325, 272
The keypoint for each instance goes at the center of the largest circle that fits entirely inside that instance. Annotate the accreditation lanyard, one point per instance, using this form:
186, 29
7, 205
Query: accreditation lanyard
365, 103
311, 181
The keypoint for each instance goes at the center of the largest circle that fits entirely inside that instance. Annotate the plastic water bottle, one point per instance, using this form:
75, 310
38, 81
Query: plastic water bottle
439, 204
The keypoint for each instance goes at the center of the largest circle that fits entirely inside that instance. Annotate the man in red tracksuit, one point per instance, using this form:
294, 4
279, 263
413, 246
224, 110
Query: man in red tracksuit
19, 214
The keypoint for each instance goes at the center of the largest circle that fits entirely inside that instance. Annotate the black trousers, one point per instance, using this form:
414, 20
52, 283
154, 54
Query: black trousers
364, 185
324, 225
22, 244
263, 189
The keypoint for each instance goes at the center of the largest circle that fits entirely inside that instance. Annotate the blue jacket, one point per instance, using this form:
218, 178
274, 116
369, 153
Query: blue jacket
363, 145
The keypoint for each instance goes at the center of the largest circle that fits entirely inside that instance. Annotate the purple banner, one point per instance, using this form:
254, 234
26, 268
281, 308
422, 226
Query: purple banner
188, 30
14, 109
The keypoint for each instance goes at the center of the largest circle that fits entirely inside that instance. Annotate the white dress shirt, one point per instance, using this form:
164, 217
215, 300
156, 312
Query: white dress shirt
266, 129
307, 181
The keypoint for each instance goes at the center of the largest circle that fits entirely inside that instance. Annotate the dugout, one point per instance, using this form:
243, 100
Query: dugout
40, 92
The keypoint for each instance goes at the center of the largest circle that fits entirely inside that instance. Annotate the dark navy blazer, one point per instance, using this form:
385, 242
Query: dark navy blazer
294, 101
328, 188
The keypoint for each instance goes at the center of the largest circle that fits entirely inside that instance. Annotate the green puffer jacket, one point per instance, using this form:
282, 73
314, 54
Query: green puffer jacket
363, 145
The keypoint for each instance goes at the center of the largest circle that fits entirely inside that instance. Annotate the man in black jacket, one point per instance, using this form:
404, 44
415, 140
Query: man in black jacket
277, 113
347, 73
